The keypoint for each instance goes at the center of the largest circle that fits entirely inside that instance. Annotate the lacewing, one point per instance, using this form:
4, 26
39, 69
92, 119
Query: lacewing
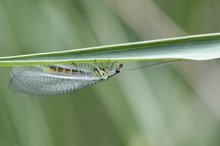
50, 80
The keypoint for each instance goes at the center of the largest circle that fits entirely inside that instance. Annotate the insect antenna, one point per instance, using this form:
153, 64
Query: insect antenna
153, 65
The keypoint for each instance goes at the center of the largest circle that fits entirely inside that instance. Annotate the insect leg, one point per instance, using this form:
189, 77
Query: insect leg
112, 65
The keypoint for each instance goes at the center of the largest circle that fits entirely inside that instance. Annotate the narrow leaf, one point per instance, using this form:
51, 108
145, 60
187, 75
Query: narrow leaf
196, 47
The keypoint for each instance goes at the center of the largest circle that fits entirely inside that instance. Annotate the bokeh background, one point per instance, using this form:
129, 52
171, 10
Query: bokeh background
173, 105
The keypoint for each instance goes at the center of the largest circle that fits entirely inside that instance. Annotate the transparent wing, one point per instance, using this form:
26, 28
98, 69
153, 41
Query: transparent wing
32, 80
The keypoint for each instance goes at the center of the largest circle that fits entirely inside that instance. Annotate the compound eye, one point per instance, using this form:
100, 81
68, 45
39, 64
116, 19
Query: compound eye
119, 68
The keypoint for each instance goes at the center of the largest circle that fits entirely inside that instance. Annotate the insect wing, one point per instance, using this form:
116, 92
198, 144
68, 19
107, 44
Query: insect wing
32, 80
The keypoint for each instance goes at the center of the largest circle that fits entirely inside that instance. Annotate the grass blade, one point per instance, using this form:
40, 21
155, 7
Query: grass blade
196, 47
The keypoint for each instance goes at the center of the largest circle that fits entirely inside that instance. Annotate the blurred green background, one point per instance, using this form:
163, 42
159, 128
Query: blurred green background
174, 105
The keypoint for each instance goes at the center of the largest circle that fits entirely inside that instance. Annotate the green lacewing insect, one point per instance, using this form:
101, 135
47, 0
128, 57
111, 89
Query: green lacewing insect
49, 80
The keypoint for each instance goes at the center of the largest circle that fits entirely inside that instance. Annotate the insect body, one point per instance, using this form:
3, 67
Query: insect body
42, 80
